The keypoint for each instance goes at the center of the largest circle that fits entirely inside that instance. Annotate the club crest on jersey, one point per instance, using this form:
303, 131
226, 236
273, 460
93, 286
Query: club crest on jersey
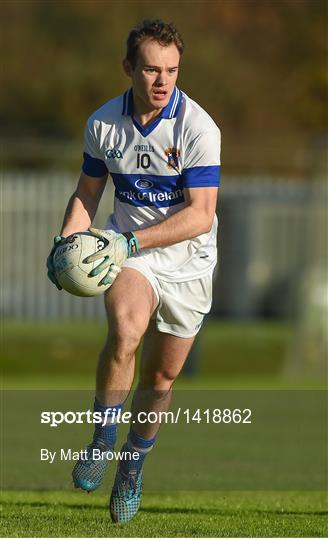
173, 157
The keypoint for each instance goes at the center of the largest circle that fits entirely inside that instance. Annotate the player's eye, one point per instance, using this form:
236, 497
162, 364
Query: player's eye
150, 70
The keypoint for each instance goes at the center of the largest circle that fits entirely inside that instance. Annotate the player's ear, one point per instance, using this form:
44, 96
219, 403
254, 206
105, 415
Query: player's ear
127, 67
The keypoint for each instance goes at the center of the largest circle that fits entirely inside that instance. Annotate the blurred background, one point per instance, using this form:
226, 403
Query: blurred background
259, 67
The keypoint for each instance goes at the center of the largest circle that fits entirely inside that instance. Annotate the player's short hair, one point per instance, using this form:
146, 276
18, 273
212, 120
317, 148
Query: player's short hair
163, 33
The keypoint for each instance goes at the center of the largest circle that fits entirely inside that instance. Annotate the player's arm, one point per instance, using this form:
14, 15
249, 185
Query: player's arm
83, 204
195, 219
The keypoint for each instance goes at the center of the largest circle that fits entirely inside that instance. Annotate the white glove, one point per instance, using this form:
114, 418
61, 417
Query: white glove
117, 248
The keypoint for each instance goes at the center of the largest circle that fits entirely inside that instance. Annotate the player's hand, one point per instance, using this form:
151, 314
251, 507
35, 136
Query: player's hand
117, 248
50, 262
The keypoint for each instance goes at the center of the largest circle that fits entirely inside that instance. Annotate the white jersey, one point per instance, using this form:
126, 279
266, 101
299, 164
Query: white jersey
150, 167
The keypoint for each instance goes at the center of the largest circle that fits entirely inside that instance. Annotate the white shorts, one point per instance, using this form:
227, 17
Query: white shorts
181, 306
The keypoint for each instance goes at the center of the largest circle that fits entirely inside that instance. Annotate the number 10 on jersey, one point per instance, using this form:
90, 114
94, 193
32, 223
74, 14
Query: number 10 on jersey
143, 160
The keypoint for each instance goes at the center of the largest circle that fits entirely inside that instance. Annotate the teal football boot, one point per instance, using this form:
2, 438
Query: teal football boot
126, 496
88, 473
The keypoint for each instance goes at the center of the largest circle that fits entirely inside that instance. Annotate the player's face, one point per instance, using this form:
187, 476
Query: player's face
154, 76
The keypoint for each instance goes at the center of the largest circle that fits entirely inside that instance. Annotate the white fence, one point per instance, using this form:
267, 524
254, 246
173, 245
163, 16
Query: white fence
266, 232
272, 231
32, 211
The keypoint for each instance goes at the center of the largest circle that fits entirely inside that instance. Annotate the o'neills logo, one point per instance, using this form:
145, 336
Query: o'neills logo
173, 156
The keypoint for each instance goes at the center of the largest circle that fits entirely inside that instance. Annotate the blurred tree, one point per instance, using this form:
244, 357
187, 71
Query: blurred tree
257, 66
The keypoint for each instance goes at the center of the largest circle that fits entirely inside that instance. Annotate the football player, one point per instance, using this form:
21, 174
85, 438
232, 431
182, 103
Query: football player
162, 151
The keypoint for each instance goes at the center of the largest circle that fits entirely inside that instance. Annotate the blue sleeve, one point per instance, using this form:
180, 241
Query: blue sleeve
93, 166
201, 176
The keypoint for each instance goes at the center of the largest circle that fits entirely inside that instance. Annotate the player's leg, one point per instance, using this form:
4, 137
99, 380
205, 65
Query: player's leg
129, 304
162, 360
168, 343
178, 318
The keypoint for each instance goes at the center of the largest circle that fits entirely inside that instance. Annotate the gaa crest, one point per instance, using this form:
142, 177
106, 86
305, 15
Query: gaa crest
173, 158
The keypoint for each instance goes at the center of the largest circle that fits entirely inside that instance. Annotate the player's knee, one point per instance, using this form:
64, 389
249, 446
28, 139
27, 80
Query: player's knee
159, 380
127, 331
123, 338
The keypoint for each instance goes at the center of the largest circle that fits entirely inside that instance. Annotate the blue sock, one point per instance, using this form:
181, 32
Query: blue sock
136, 443
108, 432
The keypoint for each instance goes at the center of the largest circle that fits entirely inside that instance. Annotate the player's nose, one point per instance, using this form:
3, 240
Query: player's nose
161, 79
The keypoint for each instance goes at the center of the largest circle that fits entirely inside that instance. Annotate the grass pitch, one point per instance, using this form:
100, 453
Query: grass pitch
222, 348
179, 514
62, 356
